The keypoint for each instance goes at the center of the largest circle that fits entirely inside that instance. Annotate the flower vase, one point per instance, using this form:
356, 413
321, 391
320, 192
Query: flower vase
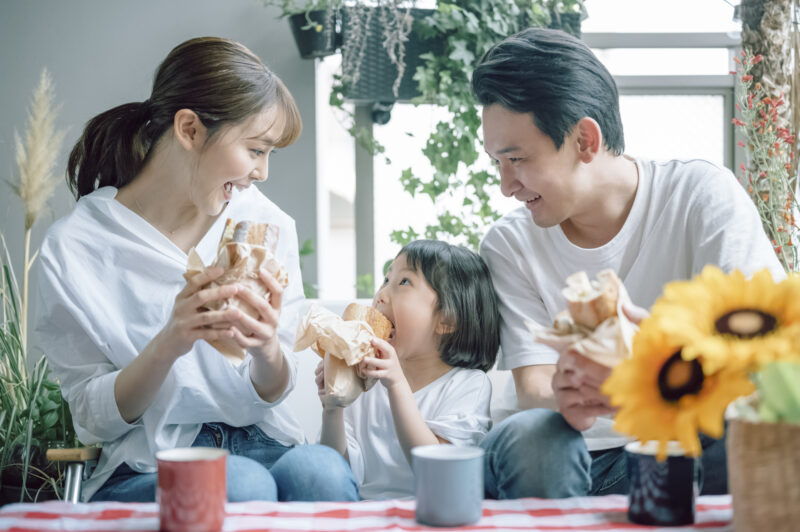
764, 475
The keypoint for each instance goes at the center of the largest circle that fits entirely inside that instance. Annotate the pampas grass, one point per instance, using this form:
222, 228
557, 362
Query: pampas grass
36, 159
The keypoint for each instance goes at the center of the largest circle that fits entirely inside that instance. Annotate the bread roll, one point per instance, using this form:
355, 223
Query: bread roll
381, 326
590, 303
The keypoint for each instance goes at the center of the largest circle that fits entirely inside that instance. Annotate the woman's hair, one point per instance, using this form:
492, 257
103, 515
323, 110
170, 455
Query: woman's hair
465, 299
556, 78
222, 81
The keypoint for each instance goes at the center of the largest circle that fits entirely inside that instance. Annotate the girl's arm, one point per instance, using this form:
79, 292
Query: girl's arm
412, 431
333, 433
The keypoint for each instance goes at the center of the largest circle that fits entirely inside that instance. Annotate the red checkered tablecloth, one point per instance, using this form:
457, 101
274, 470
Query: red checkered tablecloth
586, 513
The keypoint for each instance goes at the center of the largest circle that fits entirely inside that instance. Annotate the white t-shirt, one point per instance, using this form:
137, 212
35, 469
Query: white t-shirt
686, 214
455, 407
107, 286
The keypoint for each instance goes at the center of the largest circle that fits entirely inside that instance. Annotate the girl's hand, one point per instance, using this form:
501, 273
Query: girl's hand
190, 322
384, 366
259, 336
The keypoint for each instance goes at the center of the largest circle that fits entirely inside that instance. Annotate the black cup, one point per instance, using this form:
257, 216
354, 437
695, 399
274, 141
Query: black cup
661, 493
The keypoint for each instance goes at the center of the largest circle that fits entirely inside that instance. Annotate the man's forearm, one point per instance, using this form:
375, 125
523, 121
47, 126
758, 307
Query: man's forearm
534, 386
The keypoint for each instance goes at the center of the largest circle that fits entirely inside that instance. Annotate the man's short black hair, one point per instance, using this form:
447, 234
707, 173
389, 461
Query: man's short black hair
465, 299
555, 77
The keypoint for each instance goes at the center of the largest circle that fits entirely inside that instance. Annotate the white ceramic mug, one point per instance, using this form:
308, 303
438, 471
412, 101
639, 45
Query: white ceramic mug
448, 484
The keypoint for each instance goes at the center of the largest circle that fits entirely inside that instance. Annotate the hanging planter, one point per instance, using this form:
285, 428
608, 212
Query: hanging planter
316, 33
373, 75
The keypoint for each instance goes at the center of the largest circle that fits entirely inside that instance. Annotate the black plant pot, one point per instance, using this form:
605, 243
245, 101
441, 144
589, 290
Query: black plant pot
377, 73
319, 41
36, 487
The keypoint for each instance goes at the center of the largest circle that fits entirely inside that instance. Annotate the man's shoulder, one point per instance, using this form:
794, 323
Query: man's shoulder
513, 226
696, 174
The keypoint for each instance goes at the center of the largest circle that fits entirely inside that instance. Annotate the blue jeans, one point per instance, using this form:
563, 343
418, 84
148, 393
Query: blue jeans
258, 468
536, 453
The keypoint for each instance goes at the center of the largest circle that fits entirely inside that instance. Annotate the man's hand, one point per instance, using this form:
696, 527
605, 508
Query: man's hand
576, 385
577, 382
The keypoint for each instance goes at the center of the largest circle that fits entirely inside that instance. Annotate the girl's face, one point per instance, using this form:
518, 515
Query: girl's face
409, 302
237, 157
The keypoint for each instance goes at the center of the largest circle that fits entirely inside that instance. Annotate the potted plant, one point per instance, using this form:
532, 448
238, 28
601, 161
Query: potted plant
314, 24
33, 415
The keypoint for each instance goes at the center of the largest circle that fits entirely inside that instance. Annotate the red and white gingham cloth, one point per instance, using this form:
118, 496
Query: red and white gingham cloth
586, 513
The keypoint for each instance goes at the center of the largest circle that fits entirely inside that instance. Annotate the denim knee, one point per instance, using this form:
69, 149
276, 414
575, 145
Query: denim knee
314, 473
249, 481
536, 453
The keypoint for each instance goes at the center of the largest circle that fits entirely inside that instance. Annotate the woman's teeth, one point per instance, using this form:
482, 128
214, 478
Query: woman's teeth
228, 187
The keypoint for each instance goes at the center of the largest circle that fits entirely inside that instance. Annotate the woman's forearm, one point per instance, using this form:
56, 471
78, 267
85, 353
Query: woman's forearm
138, 383
333, 434
270, 374
412, 431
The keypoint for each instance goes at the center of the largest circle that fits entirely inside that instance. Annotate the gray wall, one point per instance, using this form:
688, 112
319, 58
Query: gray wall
102, 53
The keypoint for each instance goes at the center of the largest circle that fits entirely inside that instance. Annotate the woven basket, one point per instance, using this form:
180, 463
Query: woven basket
764, 472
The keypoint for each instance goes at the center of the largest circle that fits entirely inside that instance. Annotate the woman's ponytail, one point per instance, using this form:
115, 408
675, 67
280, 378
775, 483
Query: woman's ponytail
111, 150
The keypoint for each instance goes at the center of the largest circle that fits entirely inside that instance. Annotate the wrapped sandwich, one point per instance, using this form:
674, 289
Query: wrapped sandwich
342, 343
593, 324
245, 247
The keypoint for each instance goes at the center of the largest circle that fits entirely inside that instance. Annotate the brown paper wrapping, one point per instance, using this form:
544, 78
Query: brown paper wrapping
342, 344
241, 262
595, 325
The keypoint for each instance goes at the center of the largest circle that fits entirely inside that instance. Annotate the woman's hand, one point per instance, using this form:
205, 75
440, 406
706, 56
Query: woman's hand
384, 366
190, 321
259, 336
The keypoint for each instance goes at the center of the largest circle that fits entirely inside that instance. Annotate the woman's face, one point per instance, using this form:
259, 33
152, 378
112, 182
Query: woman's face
234, 158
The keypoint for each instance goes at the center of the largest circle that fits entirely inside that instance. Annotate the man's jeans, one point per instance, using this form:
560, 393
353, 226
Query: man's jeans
258, 468
535, 453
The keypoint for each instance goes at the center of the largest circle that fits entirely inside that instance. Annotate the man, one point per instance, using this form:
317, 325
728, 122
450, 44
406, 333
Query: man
552, 126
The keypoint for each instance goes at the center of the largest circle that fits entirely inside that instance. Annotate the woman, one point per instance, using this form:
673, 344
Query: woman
126, 334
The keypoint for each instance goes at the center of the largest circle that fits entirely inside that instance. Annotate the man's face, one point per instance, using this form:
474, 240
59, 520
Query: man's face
531, 169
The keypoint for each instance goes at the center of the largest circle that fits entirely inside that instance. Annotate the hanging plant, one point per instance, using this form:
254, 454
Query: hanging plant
469, 28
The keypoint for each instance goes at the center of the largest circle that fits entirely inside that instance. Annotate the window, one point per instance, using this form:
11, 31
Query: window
676, 101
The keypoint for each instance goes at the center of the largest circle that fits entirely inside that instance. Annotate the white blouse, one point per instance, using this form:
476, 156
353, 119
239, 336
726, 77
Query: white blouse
455, 407
107, 285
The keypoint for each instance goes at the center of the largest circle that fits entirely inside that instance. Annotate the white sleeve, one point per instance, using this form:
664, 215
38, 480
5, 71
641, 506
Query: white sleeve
463, 418
75, 353
727, 230
518, 301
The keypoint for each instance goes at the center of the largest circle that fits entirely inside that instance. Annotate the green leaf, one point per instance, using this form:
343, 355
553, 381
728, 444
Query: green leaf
779, 389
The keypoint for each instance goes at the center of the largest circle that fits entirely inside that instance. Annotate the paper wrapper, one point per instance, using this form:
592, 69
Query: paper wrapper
241, 261
607, 343
342, 344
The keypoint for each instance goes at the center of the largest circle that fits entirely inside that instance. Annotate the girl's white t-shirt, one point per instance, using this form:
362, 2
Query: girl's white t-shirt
686, 215
455, 407
107, 285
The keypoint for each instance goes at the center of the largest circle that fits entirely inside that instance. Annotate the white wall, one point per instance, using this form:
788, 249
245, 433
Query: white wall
102, 53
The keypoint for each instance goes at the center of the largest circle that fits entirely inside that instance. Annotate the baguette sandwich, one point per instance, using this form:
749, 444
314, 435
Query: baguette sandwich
244, 249
342, 343
594, 324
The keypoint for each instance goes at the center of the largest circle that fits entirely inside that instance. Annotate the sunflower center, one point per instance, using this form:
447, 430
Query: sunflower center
746, 323
679, 377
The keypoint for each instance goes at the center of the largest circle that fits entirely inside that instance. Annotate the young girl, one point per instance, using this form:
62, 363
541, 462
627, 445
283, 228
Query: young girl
121, 327
433, 385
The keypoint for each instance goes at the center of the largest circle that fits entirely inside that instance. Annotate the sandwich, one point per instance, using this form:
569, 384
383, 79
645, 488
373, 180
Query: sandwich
342, 342
244, 249
593, 323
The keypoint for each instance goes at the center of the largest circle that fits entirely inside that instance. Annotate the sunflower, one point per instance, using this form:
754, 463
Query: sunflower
662, 397
732, 321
